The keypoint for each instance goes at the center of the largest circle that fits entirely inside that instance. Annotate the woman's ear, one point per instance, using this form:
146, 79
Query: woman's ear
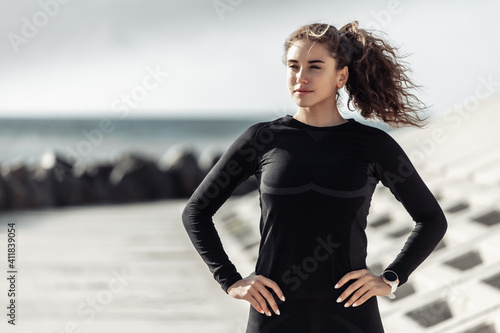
342, 77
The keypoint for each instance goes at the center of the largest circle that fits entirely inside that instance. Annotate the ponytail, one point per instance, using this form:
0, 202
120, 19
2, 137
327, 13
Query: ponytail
378, 84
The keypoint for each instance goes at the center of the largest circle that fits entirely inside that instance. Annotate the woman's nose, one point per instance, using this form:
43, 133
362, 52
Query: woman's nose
301, 76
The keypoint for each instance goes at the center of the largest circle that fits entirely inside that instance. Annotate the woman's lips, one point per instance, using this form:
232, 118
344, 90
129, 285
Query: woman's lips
303, 92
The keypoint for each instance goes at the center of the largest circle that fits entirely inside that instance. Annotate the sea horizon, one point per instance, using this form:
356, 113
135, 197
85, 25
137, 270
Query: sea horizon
99, 139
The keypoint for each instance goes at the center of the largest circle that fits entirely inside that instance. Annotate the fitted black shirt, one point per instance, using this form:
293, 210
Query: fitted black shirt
315, 189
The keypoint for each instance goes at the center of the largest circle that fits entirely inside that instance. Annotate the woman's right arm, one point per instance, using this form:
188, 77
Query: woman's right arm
237, 164
233, 168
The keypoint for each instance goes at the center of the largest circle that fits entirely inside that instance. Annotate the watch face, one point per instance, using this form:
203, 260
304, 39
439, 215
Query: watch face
390, 276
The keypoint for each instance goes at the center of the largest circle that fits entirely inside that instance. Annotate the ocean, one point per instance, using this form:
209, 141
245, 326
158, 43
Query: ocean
94, 140
25, 140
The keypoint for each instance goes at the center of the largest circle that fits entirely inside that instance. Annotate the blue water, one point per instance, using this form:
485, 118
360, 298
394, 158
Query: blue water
25, 140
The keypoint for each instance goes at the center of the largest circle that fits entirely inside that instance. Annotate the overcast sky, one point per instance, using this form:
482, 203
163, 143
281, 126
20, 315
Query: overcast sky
218, 57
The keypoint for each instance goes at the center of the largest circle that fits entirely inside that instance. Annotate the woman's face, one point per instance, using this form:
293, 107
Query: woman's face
312, 77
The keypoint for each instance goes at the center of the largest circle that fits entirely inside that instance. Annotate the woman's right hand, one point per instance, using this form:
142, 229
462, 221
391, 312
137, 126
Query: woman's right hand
253, 289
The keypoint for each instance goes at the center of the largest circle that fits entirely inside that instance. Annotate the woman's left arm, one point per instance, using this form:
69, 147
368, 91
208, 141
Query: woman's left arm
395, 170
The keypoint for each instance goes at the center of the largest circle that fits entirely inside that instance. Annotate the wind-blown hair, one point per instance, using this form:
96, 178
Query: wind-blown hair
378, 84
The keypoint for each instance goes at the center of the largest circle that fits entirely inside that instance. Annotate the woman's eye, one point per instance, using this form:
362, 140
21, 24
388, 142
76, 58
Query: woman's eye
294, 66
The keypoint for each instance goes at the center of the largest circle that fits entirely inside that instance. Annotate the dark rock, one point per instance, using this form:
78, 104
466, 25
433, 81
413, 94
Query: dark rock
208, 159
166, 185
43, 191
4, 195
19, 186
135, 178
67, 190
55, 181
96, 188
183, 167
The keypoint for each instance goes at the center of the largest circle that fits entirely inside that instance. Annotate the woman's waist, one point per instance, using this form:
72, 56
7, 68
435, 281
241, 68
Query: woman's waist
311, 290
309, 280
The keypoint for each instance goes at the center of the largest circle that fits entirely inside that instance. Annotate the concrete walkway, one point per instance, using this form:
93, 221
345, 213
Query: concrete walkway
128, 268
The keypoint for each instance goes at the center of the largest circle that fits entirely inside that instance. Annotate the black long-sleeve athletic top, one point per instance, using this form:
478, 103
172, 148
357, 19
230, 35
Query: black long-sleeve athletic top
315, 188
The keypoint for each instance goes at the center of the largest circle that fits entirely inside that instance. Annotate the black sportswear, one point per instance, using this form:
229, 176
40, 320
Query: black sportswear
315, 186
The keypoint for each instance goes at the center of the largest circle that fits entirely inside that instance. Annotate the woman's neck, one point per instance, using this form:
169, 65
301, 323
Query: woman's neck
319, 119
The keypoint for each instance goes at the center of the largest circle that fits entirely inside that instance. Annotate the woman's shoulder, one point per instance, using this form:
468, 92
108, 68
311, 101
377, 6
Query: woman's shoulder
265, 127
382, 142
374, 132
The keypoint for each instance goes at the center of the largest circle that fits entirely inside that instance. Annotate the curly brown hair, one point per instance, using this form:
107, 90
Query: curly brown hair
378, 83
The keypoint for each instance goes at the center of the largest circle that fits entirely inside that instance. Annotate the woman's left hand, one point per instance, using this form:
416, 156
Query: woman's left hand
366, 286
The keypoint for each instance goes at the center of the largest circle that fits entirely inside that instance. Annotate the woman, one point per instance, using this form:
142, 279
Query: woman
317, 172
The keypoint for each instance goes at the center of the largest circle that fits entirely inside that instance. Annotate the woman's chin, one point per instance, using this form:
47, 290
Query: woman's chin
302, 103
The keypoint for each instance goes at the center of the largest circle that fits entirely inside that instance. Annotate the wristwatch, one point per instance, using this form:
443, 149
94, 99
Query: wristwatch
392, 279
